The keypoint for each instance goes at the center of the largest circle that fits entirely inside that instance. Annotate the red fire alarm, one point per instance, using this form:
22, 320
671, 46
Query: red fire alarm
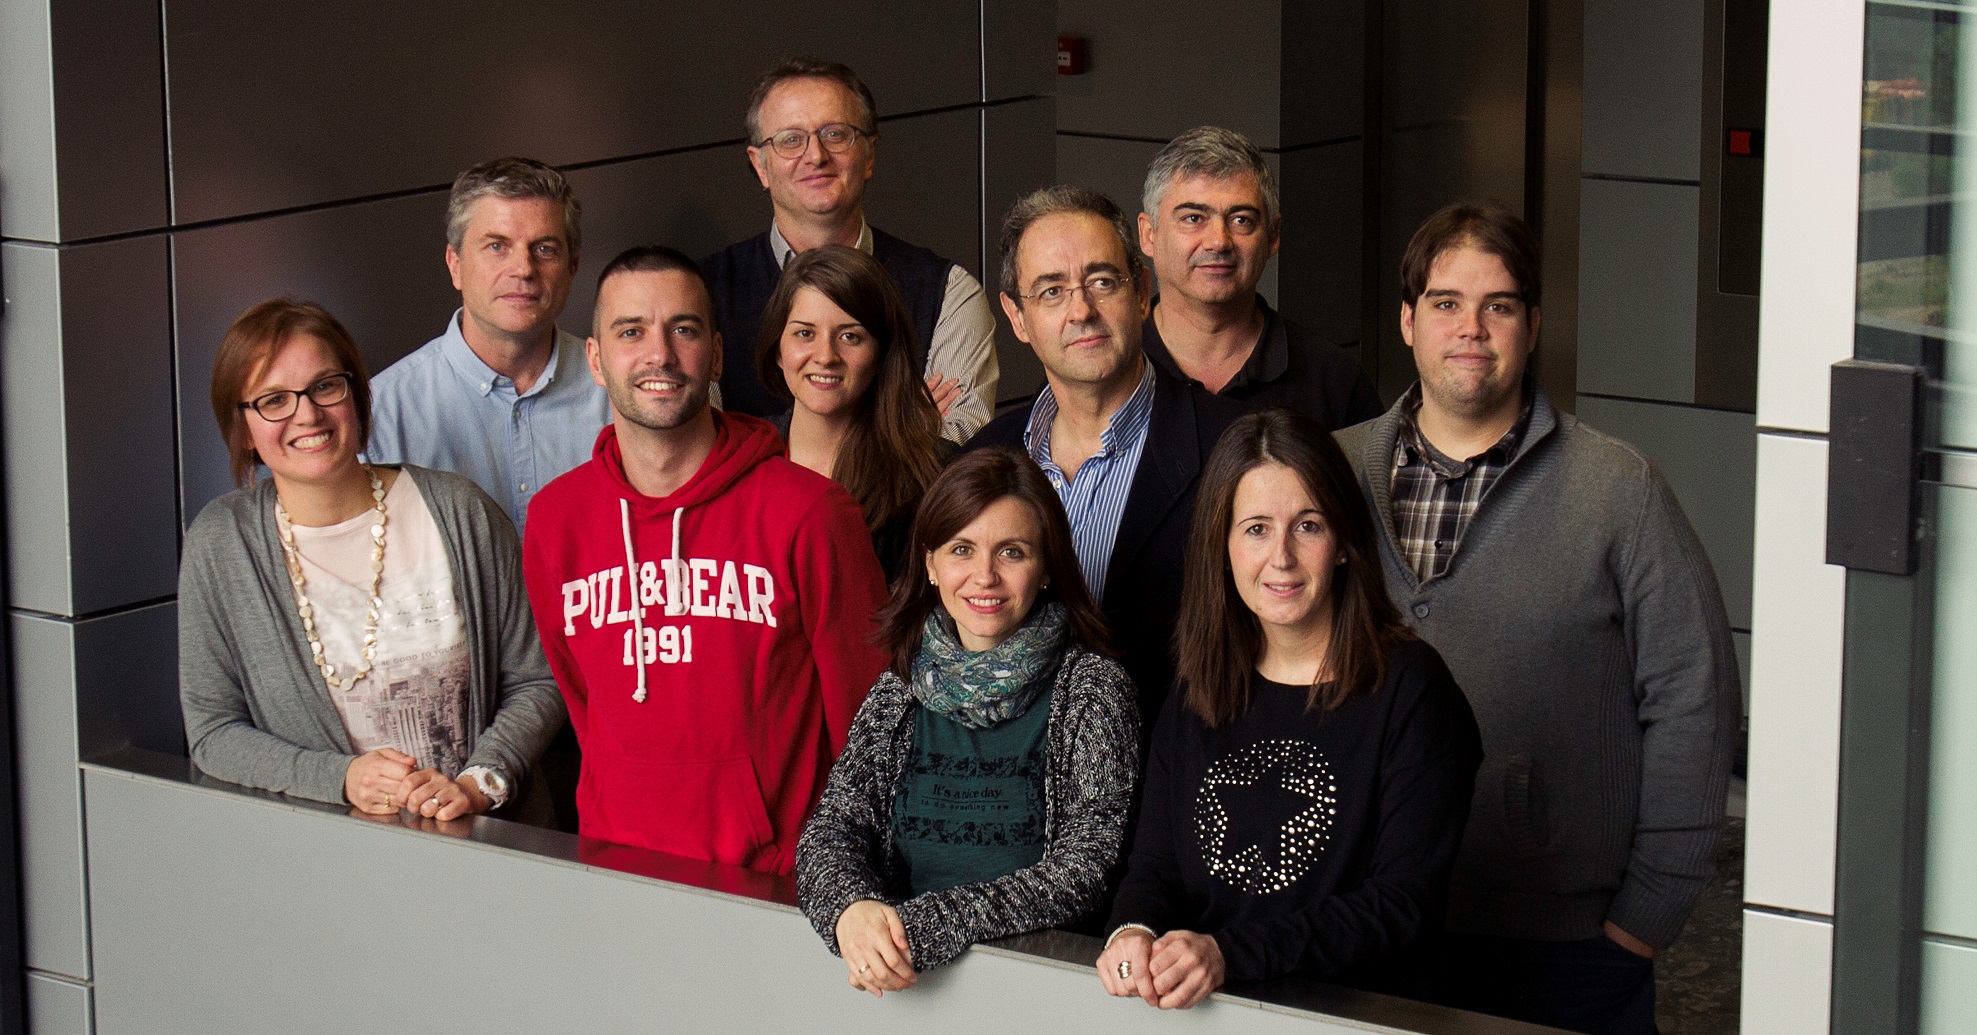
1073, 55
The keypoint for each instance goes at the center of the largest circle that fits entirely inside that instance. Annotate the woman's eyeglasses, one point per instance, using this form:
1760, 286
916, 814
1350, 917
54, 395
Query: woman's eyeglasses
280, 405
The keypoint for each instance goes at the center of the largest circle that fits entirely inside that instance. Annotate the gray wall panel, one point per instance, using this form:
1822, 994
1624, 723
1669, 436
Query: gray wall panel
27, 124
126, 682
1318, 265
109, 116
31, 400
1643, 89
117, 383
1637, 297
1452, 129
81, 688
1019, 52
1710, 459
1323, 55
56, 924
88, 395
572, 948
1157, 69
429, 89
57, 1007
379, 267
1114, 168
927, 187
696, 201
1021, 144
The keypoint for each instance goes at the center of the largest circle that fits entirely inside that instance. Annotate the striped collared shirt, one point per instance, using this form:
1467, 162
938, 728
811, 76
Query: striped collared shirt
1434, 497
1095, 499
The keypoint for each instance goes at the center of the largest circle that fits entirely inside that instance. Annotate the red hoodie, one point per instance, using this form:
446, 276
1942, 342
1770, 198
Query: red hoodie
756, 590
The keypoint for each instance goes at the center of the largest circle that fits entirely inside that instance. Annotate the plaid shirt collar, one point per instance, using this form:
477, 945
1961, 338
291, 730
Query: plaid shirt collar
1410, 446
1435, 497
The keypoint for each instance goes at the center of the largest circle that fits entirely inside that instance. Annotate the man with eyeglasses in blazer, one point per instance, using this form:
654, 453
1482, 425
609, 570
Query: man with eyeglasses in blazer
1121, 440
813, 143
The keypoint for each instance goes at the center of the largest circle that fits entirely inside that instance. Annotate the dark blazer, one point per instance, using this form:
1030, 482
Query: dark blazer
1143, 580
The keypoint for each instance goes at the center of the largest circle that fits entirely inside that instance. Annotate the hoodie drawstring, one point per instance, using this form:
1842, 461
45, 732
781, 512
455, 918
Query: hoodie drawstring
631, 580
672, 584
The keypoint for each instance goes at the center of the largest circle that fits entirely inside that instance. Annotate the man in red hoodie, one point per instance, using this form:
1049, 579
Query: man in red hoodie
706, 604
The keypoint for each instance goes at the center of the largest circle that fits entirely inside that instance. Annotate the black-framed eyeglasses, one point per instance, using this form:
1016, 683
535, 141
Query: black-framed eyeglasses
835, 137
280, 405
1099, 287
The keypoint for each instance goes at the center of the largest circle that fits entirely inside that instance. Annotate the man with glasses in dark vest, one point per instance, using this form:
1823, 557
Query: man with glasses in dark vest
813, 142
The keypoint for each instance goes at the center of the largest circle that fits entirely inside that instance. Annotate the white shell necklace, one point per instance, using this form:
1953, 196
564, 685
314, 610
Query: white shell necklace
308, 611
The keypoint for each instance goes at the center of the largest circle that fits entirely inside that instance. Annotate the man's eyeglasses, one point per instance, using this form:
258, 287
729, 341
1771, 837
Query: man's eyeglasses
332, 389
1100, 288
837, 138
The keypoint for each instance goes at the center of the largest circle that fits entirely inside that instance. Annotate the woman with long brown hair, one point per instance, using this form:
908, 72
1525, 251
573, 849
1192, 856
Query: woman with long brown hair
1310, 778
984, 788
837, 342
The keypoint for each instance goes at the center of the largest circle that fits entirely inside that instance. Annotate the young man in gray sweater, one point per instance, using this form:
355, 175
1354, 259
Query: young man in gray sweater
1552, 568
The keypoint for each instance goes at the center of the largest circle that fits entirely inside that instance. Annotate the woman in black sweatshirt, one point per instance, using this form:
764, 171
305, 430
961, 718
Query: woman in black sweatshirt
1310, 779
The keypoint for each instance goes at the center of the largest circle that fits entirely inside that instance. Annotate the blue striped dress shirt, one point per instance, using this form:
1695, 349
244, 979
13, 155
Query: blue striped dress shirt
1095, 499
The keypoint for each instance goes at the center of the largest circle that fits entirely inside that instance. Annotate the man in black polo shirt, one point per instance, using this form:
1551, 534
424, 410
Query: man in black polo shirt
1210, 224
813, 142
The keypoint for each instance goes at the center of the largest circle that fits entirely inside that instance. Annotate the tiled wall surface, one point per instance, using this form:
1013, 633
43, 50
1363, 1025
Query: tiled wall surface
305, 157
1949, 986
1640, 192
1812, 129
1786, 963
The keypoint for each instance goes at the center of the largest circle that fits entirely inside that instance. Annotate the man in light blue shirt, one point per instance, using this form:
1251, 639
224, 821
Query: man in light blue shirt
503, 396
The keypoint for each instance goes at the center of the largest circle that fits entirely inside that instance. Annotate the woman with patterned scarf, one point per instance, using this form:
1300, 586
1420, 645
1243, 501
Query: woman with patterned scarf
984, 788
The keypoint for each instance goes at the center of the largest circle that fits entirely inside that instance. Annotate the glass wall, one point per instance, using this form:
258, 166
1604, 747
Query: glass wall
1917, 305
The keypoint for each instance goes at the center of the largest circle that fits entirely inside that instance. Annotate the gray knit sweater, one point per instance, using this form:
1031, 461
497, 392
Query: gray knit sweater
1582, 618
847, 852
256, 710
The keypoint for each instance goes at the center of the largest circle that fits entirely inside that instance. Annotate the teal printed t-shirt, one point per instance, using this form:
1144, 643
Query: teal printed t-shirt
970, 804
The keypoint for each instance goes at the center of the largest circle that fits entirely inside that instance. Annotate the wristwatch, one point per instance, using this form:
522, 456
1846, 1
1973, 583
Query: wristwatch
491, 783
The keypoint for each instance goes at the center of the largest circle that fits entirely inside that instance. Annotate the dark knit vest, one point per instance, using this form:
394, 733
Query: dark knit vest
742, 276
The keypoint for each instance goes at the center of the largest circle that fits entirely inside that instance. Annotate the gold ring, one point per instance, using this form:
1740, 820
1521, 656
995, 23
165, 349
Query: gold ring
1125, 970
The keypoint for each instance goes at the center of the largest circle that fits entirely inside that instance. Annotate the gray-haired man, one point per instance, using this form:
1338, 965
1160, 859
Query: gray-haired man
1210, 224
502, 397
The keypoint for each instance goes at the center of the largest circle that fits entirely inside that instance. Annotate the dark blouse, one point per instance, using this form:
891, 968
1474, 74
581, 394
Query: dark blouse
1312, 842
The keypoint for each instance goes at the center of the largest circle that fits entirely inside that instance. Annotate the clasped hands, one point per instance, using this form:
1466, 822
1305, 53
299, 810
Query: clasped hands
872, 941
383, 781
1173, 972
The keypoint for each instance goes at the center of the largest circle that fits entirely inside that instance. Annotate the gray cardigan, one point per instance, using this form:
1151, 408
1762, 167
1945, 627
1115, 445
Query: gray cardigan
1581, 617
256, 710
847, 852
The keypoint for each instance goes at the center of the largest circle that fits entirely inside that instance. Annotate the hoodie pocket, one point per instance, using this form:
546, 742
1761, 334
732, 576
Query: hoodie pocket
1524, 806
701, 810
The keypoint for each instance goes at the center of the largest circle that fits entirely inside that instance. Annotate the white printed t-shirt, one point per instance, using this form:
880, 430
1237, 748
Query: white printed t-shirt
415, 696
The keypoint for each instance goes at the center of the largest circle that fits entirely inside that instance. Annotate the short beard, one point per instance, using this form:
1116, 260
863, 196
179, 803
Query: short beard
627, 403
